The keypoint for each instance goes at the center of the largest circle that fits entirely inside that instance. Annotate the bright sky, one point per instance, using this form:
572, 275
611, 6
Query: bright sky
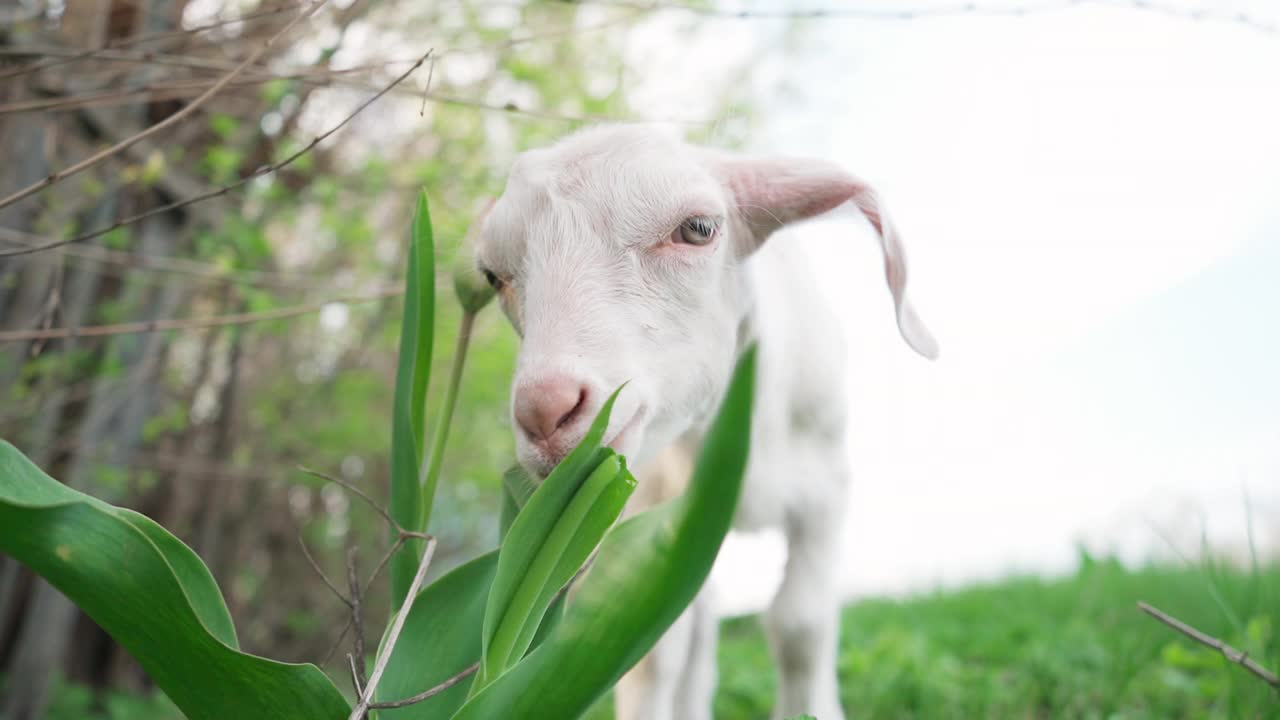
1090, 200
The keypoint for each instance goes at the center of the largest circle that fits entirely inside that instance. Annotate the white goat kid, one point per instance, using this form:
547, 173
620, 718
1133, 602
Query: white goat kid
623, 254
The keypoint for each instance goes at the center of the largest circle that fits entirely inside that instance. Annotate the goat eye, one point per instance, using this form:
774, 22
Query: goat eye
698, 230
494, 281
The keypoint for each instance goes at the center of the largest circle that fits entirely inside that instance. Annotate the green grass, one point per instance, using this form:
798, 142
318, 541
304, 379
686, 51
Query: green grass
1029, 648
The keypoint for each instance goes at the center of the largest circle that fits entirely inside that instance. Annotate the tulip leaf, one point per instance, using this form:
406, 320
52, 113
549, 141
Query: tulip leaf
535, 522
413, 372
576, 533
154, 596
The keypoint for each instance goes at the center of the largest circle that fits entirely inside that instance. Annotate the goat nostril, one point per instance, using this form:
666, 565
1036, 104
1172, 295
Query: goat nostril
573, 411
543, 408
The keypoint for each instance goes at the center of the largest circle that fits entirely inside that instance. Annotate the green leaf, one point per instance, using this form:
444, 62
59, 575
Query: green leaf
533, 525
154, 596
647, 572
576, 533
412, 373
441, 637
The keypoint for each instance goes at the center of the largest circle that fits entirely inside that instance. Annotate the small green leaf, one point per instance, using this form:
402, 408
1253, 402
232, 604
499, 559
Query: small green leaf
535, 523
574, 536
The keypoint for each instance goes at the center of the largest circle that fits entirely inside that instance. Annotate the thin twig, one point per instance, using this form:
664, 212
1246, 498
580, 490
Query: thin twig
430, 692
177, 89
356, 682
357, 619
470, 670
387, 557
188, 109
1230, 653
316, 566
336, 643
190, 323
182, 266
358, 492
393, 636
264, 170
143, 38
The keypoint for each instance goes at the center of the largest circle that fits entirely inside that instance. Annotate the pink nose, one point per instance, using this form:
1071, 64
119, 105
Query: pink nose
544, 407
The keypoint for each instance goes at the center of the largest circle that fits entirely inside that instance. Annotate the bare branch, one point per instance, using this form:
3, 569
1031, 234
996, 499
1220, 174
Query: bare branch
1230, 653
316, 566
177, 89
191, 323
357, 619
334, 647
386, 558
356, 682
430, 692
167, 122
358, 492
180, 266
144, 38
264, 170
362, 707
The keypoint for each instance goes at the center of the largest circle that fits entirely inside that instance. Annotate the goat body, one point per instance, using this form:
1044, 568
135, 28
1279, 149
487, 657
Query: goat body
623, 254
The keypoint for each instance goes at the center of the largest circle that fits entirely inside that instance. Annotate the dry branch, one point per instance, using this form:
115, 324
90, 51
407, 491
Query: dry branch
393, 636
142, 38
181, 266
359, 493
430, 692
311, 560
167, 122
190, 323
264, 170
357, 619
1230, 653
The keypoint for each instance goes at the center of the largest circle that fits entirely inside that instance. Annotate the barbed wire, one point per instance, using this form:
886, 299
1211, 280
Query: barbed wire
922, 12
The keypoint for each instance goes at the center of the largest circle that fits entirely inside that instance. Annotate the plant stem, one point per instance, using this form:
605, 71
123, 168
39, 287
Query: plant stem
397, 625
431, 470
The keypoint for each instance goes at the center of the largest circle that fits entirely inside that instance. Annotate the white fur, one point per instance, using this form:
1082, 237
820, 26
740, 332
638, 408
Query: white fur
600, 294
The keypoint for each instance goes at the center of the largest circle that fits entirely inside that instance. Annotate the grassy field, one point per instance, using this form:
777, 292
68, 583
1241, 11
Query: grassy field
1021, 648
1028, 648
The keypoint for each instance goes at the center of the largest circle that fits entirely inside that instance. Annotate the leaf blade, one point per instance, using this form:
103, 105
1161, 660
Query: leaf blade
413, 370
119, 567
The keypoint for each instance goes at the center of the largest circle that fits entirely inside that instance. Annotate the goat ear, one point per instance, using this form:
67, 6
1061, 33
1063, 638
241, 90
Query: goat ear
771, 193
